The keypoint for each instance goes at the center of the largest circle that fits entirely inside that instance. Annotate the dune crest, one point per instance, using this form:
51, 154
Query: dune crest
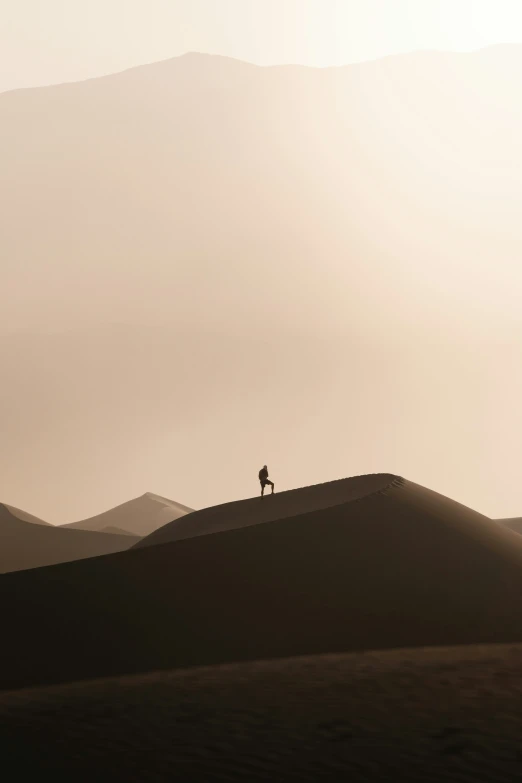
254, 511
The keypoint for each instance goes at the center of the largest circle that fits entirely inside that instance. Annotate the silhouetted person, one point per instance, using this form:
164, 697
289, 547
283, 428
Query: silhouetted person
264, 480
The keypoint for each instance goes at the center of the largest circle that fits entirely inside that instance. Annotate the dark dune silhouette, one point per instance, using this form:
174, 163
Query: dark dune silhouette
399, 566
513, 523
25, 545
139, 516
407, 715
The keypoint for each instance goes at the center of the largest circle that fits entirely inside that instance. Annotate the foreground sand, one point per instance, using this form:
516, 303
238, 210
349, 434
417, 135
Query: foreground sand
411, 715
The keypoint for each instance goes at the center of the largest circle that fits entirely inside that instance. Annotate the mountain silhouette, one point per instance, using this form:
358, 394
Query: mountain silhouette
309, 163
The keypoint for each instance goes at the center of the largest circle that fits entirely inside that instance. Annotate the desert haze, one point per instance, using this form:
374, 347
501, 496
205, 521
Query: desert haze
203, 179
322, 259
210, 266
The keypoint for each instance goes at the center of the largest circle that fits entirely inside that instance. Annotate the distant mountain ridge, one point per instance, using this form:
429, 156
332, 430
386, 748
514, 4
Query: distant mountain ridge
139, 516
305, 160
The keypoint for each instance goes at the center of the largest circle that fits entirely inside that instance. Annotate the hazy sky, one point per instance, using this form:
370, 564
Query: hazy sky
50, 41
381, 204
317, 270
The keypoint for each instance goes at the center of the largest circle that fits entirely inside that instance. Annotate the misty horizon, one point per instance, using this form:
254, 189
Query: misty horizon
71, 42
189, 53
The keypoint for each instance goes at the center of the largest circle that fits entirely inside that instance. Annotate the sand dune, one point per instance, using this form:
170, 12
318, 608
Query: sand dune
117, 531
243, 513
400, 566
139, 516
409, 715
25, 545
19, 514
514, 523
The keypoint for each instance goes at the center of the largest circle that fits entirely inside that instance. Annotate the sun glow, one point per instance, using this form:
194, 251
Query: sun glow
386, 27
471, 24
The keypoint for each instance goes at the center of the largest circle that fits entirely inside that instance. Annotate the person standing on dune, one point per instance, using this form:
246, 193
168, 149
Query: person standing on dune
264, 480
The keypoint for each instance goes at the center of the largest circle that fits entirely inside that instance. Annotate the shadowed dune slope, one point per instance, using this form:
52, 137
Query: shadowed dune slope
25, 545
139, 516
514, 523
401, 566
408, 715
243, 513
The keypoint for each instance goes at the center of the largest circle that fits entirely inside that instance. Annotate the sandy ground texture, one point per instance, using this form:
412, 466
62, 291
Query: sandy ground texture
399, 567
448, 714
